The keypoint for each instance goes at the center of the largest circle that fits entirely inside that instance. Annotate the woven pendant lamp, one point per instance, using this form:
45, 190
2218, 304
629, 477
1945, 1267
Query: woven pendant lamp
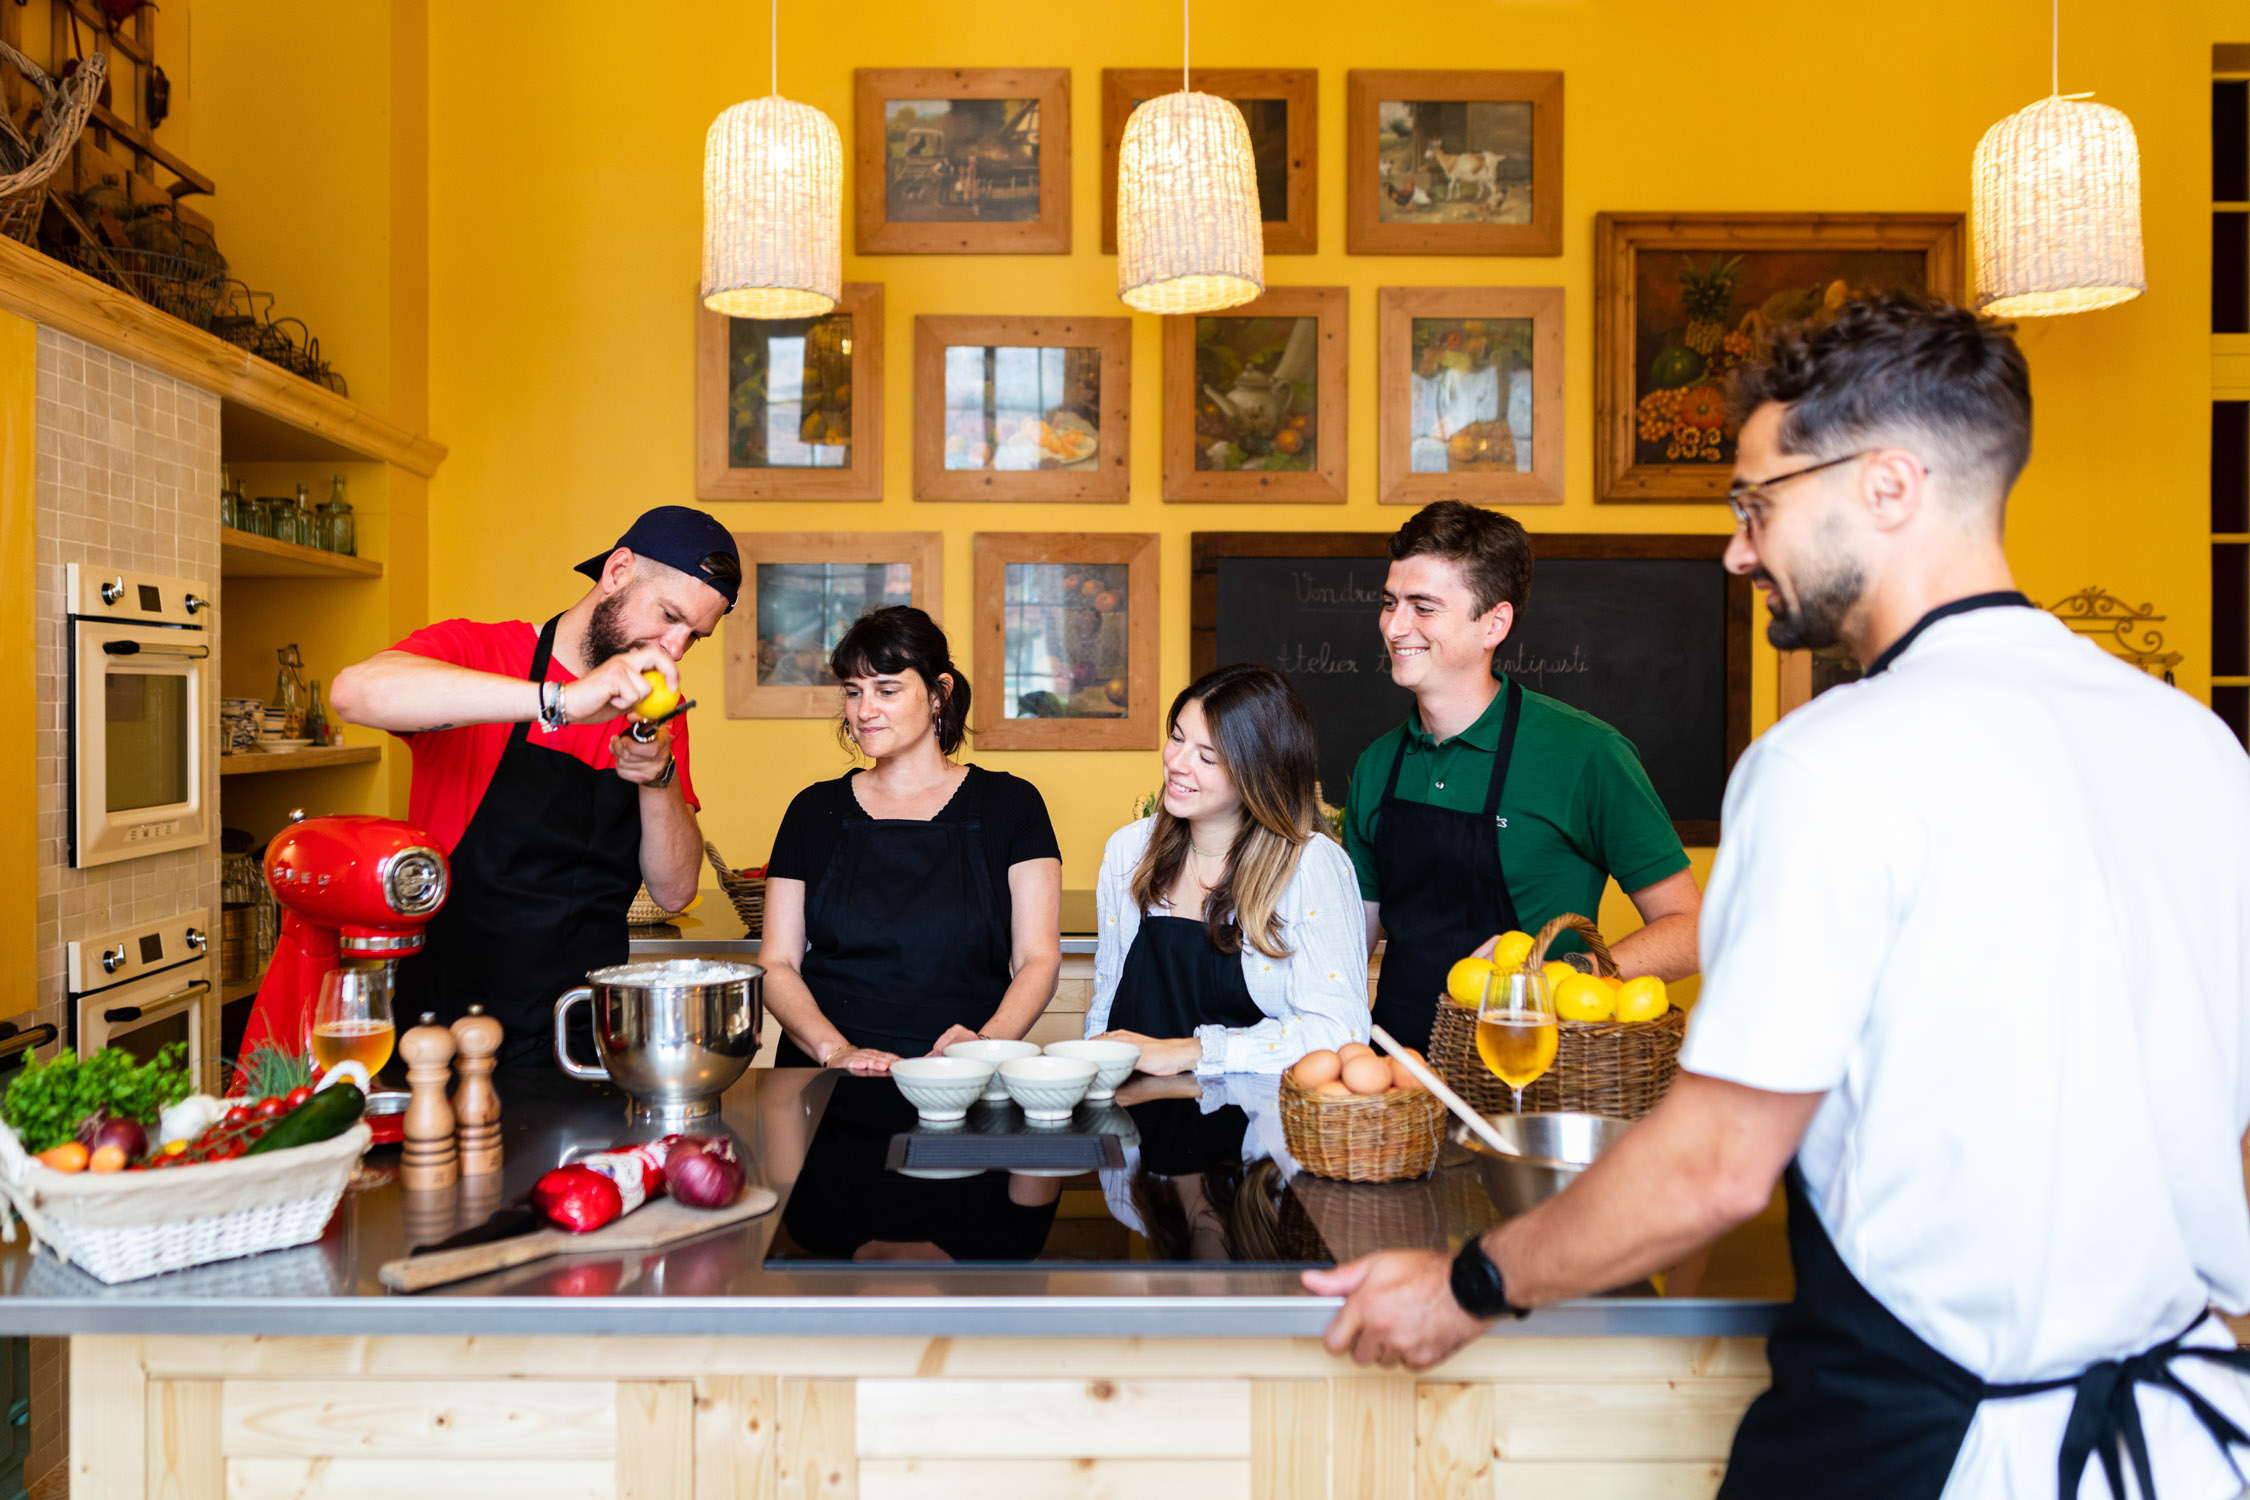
773, 208
1190, 238
2058, 207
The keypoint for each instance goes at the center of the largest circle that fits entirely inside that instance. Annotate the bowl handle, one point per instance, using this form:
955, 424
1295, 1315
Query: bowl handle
584, 993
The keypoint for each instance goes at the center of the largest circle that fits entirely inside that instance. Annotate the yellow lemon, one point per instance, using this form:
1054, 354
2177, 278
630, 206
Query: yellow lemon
1510, 949
1556, 971
661, 700
1642, 999
1582, 997
1466, 980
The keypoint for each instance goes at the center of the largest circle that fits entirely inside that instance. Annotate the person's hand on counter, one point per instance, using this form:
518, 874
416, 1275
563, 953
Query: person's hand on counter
1398, 1309
955, 1034
642, 764
1160, 1056
1141, 1088
864, 1062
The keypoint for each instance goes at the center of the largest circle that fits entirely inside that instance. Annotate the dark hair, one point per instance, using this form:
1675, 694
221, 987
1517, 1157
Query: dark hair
1894, 363
723, 570
1265, 739
1492, 550
897, 639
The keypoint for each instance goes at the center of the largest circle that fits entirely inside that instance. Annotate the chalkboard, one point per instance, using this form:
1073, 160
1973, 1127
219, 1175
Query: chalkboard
1647, 633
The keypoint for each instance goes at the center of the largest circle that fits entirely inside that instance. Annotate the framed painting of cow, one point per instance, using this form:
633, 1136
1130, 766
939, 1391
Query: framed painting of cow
1453, 162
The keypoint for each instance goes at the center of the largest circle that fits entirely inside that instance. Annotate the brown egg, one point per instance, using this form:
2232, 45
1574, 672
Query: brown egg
1367, 1075
1334, 1089
1351, 1050
1400, 1078
1316, 1068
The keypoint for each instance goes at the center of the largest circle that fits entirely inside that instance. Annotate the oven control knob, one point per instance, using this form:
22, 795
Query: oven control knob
195, 602
113, 591
195, 939
112, 959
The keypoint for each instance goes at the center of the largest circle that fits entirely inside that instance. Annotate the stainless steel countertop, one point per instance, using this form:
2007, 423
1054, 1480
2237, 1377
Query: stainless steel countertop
716, 927
719, 1285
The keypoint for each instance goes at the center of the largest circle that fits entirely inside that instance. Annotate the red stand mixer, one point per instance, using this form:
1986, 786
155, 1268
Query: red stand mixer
353, 889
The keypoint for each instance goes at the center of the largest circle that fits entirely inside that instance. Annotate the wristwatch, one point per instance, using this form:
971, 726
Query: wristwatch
1478, 1286
671, 774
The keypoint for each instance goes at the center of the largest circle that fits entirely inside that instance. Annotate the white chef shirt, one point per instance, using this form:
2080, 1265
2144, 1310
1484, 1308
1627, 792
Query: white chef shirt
1995, 904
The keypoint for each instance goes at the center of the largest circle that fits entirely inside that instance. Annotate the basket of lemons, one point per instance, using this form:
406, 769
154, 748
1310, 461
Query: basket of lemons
1617, 1046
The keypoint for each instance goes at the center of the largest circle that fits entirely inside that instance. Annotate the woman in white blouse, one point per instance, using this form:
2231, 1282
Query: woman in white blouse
1232, 935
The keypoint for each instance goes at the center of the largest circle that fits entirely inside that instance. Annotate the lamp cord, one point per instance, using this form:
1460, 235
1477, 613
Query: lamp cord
1184, 4
2054, 57
773, 49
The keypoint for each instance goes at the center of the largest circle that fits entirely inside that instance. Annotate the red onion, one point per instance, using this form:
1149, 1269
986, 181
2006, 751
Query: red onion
702, 1172
128, 1136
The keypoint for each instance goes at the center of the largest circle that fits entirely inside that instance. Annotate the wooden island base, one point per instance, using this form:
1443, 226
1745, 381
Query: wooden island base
396, 1418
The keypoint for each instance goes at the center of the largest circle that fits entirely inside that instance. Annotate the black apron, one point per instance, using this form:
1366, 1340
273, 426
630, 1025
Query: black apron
1174, 980
1862, 1406
541, 882
1443, 889
902, 937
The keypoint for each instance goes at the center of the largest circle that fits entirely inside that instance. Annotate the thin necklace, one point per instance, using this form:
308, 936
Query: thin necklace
1207, 854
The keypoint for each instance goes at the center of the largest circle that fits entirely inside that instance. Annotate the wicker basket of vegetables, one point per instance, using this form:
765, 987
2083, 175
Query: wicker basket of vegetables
118, 1167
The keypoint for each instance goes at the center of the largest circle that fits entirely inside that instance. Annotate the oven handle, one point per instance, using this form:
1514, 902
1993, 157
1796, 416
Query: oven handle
136, 648
23, 1041
122, 1014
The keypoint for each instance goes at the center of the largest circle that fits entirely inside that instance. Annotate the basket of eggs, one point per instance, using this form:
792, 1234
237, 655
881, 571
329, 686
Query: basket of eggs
1617, 1046
1356, 1115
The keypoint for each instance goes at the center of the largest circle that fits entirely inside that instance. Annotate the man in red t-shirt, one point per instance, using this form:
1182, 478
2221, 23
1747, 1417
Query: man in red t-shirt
551, 813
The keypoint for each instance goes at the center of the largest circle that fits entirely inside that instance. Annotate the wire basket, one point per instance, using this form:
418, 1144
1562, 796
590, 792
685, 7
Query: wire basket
747, 892
1365, 1138
1614, 1068
187, 287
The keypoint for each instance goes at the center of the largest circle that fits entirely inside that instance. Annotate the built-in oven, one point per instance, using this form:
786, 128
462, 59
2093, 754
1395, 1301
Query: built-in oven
141, 988
140, 662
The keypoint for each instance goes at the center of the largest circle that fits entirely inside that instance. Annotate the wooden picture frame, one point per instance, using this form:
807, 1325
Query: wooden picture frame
1471, 447
717, 477
1297, 231
1090, 627
942, 169
1102, 475
749, 644
1663, 348
1337, 666
1398, 201
1279, 425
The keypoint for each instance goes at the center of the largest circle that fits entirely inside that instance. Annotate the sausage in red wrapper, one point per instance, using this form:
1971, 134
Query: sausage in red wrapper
577, 1198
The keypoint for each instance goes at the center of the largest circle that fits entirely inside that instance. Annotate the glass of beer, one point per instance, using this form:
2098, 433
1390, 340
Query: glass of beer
352, 1019
1516, 1033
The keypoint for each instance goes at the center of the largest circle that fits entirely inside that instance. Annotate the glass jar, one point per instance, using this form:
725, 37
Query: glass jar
301, 520
342, 530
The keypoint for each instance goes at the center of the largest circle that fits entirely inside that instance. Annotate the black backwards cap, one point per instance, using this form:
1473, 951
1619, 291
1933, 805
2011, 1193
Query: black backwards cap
678, 536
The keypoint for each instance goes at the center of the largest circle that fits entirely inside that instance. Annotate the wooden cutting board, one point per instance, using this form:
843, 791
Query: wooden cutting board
660, 1223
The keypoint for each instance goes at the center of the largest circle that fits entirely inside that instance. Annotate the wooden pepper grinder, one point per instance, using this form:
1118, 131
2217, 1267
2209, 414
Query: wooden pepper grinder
428, 1157
475, 1103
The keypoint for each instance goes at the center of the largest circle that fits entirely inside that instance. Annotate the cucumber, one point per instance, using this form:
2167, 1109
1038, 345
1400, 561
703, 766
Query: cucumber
326, 1114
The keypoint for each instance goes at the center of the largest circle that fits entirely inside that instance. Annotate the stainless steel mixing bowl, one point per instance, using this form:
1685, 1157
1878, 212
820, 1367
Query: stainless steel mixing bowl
1550, 1151
674, 1034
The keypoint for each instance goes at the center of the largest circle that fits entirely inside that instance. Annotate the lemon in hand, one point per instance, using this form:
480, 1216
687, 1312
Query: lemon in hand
1465, 981
1510, 949
662, 697
1642, 999
1582, 997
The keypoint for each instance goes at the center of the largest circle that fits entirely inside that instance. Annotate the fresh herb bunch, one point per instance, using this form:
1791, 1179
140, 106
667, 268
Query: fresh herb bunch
271, 1072
46, 1100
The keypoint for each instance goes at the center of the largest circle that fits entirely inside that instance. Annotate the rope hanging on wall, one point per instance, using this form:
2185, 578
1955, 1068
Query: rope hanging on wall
773, 207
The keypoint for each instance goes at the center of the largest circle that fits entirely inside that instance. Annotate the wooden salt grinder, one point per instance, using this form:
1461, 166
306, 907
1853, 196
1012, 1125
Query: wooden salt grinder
475, 1103
427, 1156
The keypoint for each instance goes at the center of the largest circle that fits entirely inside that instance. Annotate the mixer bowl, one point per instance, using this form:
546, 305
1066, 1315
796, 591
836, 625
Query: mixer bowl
1550, 1151
674, 1034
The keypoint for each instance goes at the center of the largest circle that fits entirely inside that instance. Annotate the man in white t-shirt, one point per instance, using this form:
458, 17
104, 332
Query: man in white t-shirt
1976, 976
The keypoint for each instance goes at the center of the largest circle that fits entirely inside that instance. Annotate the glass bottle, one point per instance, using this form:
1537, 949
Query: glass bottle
316, 718
343, 530
226, 497
300, 518
289, 691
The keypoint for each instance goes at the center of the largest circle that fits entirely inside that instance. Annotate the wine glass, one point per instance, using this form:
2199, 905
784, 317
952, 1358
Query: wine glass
352, 1019
1516, 1033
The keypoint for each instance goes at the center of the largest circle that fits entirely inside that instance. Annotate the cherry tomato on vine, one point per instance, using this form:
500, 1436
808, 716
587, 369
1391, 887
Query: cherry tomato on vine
298, 1095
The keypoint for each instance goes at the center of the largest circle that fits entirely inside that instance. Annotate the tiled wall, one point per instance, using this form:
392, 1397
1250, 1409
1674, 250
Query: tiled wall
128, 479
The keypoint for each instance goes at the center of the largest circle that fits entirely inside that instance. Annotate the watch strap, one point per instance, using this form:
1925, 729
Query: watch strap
1478, 1285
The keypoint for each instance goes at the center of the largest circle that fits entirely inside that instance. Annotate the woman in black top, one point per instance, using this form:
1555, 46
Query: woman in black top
916, 904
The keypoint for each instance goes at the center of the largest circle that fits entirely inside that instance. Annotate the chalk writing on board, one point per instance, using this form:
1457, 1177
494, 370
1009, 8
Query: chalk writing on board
1350, 595
1535, 670
1320, 661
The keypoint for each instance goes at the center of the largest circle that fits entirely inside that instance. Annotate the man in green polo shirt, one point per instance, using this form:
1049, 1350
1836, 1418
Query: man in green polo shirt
1493, 808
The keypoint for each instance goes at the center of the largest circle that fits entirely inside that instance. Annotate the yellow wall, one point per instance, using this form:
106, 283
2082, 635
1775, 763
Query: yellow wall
564, 221
19, 831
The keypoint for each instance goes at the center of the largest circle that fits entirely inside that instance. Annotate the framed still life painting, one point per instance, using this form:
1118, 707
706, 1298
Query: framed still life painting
1254, 399
1281, 107
791, 408
1469, 395
1682, 299
1065, 641
801, 590
962, 161
1453, 162
1022, 408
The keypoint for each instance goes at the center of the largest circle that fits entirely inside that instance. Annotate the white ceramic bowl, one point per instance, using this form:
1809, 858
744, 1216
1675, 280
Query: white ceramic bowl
1047, 1088
941, 1088
994, 1053
1113, 1062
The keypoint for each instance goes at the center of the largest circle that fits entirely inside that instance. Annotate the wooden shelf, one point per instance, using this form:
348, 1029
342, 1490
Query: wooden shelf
313, 758
47, 291
245, 554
